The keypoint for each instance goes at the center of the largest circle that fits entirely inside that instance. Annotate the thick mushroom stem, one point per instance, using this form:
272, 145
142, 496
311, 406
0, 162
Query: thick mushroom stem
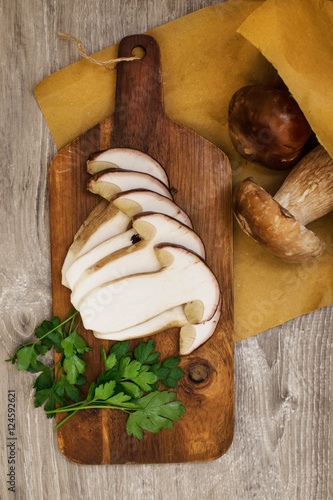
307, 192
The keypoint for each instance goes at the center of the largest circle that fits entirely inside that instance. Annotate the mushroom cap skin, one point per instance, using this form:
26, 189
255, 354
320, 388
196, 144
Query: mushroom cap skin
268, 223
267, 126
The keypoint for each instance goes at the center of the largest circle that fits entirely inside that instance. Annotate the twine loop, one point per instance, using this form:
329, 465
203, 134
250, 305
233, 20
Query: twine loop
104, 64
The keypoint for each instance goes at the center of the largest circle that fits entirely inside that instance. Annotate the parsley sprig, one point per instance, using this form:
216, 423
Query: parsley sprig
69, 370
130, 385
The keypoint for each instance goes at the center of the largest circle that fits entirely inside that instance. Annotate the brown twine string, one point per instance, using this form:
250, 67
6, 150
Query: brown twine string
66, 36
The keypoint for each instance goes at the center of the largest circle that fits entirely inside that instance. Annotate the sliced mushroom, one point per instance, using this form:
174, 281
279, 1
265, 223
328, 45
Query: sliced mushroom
93, 215
83, 262
126, 159
191, 336
125, 302
111, 221
170, 318
279, 223
152, 229
109, 183
131, 202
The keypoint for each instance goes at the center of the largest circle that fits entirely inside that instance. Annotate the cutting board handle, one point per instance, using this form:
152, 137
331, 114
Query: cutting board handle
139, 98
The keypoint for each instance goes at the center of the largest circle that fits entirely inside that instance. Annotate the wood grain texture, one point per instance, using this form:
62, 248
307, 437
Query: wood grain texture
283, 447
205, 431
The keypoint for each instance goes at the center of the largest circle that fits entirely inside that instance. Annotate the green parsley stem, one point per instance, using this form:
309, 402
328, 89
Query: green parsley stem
19, 347
59, 366
53, 367
62, 410
71, 325
56, 327
64, 420
66, 409
46, 334
74, 404
78, 324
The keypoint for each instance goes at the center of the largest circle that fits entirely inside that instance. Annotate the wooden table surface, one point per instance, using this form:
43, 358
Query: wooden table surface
283, 446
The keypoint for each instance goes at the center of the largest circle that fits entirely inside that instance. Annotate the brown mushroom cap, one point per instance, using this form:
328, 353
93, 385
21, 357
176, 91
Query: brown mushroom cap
266, 125
268, 223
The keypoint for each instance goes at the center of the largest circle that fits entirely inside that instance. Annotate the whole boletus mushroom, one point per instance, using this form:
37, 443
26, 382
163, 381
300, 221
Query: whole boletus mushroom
279, 223
267, 126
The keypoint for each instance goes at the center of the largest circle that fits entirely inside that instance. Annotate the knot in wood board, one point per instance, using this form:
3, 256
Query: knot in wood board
198, 373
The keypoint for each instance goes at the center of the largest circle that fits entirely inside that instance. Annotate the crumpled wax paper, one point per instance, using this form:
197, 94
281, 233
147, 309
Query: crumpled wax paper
206, 57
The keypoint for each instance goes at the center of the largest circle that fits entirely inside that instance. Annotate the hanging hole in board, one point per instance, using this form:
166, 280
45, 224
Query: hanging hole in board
139, 52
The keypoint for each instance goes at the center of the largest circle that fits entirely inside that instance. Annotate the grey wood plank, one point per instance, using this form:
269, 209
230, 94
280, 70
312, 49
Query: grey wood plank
283, 378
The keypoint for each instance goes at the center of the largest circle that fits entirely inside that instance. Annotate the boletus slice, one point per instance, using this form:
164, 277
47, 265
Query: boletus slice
191, 336
279, 223
171, 318
151, 229
126, 159
108, 220
267, 126
125, 302
109, 183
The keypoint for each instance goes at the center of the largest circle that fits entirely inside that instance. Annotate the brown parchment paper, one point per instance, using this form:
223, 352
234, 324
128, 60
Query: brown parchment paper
204, 61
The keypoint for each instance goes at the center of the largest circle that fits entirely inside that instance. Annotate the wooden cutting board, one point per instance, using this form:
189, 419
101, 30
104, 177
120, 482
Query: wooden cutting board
200, 172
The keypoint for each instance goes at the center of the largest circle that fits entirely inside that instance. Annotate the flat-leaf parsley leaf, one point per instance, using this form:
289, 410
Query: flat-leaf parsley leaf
129, 382
130, 385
